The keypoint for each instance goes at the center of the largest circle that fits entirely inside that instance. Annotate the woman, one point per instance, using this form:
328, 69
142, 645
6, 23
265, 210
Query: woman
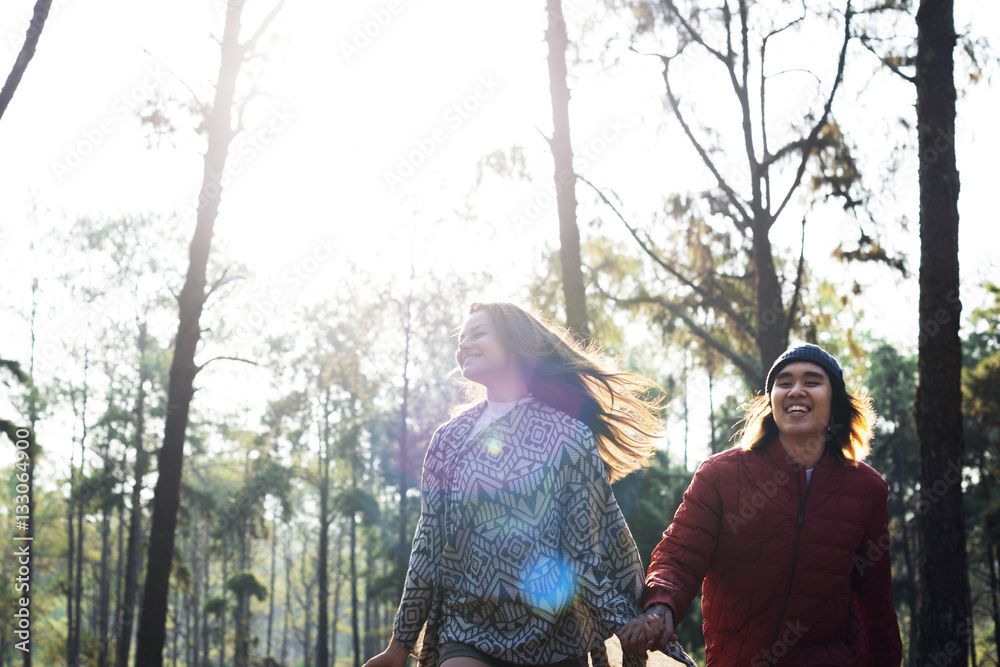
521, 555
787, 535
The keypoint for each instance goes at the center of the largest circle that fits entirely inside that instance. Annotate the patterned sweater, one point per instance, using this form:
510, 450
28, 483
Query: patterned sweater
521, 549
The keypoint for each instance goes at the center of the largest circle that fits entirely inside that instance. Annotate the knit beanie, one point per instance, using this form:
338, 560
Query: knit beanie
813, 354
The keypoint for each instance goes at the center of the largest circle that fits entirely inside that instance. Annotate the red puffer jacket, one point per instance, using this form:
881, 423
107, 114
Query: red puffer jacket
794, 574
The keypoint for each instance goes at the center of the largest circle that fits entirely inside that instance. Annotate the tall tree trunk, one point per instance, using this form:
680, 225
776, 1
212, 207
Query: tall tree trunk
943, 582
307, 643
133, 560
684, 391
355, 629
224, 621
206, 586
771, 339
286, 616
38, 18
991, 556
119, 571
76, 578
711, 410
104, 595
70, 565
565, 177
337, 581
193, 616
322, 566
404, 538
270, 611
153, 619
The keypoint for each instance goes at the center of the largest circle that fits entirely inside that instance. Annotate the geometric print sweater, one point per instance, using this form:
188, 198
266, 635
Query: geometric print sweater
521, 549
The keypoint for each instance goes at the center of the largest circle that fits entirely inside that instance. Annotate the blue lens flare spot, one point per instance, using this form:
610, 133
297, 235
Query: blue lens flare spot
548, 584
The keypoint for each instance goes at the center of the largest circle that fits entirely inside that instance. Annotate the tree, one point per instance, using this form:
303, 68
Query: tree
244, 585
27, 52
747, 296
944, 618
565, 177
153, 618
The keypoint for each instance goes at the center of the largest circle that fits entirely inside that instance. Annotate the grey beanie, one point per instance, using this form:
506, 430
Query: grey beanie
813, 354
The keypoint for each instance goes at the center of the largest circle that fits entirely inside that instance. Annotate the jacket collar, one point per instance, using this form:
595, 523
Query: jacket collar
777, 452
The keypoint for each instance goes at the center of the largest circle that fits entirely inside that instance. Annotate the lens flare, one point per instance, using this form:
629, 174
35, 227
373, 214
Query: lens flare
548, 584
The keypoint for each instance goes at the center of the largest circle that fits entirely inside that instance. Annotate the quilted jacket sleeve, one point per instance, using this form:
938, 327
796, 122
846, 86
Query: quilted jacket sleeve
422, 578
681, 559
871, 582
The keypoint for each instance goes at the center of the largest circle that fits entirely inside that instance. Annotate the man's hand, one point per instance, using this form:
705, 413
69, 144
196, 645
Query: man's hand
393, 656
648, 631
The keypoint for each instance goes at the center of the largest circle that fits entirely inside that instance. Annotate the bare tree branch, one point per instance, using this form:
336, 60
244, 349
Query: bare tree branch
793, 304
695, 35
199, 368
746, 366
765, 172
866, 42
707, 296
734, 198
812, 140
38, 17
251, 44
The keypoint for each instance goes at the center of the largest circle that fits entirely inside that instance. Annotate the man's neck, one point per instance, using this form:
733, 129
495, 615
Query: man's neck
807, 452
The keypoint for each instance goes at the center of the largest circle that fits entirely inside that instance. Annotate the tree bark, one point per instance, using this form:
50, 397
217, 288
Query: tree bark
38, 18
943, 584
565, 177
104, 595
270, 610
322, 567
134, 557
153, 618
771, 339
355, 629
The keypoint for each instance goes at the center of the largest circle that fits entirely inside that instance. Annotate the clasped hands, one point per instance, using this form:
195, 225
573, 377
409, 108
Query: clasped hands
648, 631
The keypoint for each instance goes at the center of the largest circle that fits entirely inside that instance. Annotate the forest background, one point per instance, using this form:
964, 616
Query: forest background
385, 164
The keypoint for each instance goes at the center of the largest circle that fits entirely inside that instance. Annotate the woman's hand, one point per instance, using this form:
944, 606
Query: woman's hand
648, 631
393, 656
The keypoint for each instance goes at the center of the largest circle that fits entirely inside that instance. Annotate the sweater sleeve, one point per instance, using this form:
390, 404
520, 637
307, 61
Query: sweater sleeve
423, 576
871, 582
596, 540
681, 559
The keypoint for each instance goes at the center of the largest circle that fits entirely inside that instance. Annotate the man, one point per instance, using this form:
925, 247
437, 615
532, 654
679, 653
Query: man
786, 534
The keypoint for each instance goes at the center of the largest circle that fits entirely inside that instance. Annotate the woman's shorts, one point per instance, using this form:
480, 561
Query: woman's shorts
457, 650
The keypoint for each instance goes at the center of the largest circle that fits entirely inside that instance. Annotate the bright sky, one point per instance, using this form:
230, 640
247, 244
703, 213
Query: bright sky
378, 113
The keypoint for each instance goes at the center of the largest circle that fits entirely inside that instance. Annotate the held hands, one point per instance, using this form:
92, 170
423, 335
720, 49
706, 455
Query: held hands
648, 631
394, 656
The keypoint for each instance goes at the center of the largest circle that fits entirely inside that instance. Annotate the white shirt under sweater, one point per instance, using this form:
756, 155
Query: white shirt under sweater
494, 411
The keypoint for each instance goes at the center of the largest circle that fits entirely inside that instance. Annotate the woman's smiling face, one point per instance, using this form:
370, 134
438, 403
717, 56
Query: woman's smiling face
481, 354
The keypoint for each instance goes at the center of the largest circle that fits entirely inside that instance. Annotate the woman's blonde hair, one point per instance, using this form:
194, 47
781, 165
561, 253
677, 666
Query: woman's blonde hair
852, 420
620, 408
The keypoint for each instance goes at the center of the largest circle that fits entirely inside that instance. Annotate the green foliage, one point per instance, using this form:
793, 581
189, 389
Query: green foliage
245, 584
